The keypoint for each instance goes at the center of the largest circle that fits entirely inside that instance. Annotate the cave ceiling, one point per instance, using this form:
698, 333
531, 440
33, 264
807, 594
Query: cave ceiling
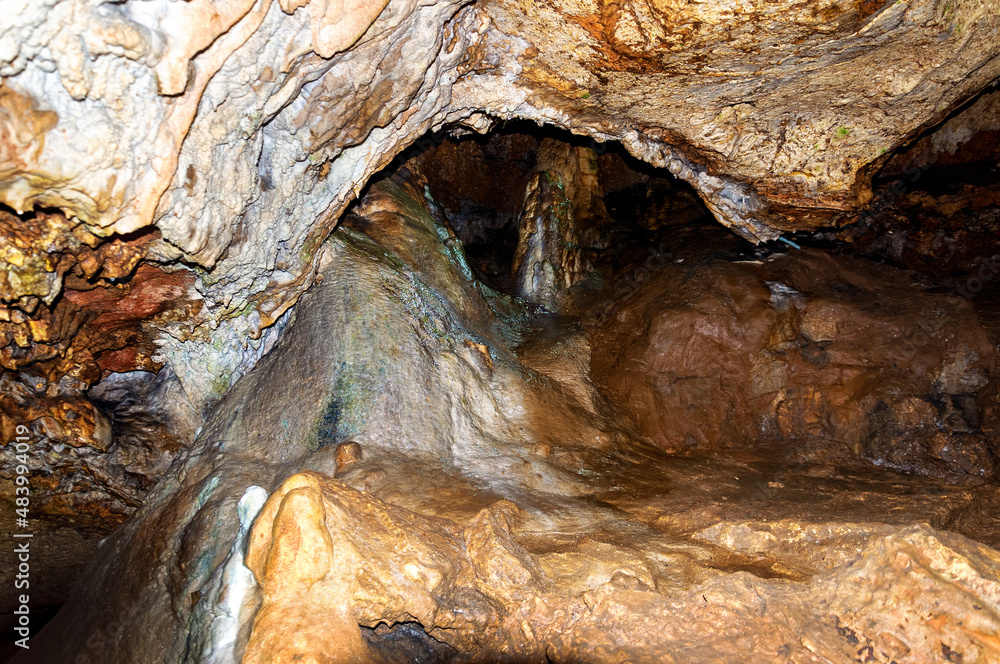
242, 130
246, 249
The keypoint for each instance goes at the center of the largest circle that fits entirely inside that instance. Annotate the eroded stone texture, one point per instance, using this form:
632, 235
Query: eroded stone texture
937, 208
274, 82
242, 130
44, 250
775, 113
818, 356
560, 219
92, 465
233, 135
501, 507
92, 457
330, 558
97, 452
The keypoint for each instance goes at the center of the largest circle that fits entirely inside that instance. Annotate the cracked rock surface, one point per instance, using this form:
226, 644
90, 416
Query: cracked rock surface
241, 130
445, 483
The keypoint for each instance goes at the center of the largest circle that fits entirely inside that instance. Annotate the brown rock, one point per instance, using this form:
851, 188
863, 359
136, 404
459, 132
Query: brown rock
346, 454
817, 356
291, 552
561, 216
505, 509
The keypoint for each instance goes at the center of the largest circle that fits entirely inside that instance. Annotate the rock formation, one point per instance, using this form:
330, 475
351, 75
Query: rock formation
561, 218
313, 371
800, 349
502, 506
116, 114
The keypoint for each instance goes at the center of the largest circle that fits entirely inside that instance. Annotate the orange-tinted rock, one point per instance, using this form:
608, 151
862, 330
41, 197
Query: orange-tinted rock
22, 131
937, 203
59, 336
346, 454
330, 558
817, 356
106, 328
292, 555
90, 467
503, 510
311, 553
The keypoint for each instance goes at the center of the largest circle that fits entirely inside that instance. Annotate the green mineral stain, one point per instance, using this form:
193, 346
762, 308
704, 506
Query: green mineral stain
560, 207
220, 385
205, 493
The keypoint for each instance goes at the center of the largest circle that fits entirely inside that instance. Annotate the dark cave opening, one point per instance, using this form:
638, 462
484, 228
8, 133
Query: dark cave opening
638, 227
635, 216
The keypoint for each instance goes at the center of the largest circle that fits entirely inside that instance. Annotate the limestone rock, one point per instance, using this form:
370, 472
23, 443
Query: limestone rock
805, 354
454, 528
117, 114
777, 121
938, 204
173, 174
561, 217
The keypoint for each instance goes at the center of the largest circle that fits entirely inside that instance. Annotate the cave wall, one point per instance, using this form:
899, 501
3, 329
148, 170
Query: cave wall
242, 130
171, 171
412, 455
937, 201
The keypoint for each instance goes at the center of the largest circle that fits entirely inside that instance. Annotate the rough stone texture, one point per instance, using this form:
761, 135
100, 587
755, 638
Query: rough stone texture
173, 171
95, 455
43, 251
775, 113
242, 130
262, 129
937, 208
561, 217
195, 156
817, 356
477, 181
971, 135
498, 507
500, 601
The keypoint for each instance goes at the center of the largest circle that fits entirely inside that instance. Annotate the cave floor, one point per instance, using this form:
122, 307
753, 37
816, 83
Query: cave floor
653, 538
653, 528
448, 480
593, 544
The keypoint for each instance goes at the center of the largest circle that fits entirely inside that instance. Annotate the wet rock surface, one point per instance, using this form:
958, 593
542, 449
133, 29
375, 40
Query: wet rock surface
560, 223
514, 400
115, 114
95, 456
821, 358
444, 482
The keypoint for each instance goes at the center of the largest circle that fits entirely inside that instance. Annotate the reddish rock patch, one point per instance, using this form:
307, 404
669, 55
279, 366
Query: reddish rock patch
821, 358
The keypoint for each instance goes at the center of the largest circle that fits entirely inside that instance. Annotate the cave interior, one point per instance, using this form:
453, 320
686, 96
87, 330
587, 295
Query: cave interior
522, 383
